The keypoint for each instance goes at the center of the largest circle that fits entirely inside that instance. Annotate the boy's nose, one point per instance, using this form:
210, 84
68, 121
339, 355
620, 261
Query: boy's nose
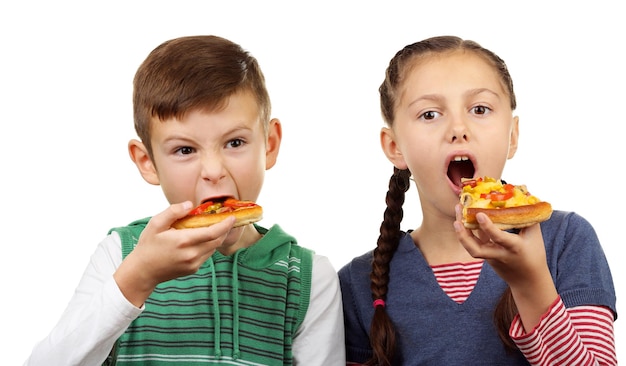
212, 168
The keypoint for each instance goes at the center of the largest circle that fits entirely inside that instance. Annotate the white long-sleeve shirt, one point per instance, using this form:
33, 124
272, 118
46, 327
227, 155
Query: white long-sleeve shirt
98, 314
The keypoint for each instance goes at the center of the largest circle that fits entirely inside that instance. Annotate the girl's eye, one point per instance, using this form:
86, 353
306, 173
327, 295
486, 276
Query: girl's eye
481, 109
185, 150
429, 115
234, 143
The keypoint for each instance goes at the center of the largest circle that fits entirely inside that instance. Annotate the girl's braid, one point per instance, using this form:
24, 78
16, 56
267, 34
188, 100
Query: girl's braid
382, 331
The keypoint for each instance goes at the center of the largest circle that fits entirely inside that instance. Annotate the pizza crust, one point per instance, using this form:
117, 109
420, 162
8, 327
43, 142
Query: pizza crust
510, 217
244, 216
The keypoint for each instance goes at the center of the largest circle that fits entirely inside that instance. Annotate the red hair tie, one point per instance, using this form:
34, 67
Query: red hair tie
379, 302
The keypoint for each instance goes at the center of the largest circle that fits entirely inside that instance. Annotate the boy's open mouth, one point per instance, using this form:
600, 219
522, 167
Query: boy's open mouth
460, 167
216, 199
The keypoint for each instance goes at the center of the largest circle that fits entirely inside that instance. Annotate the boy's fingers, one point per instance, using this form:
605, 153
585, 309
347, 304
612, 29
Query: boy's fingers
211, 233
181, 209
165, 219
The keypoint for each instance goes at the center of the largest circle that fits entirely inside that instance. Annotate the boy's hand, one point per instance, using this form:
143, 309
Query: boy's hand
163, 253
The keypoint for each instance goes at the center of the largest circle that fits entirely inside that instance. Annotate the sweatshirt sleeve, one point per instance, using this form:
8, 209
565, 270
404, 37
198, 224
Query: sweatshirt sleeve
320, 338
576, 336
576, 259
96, 315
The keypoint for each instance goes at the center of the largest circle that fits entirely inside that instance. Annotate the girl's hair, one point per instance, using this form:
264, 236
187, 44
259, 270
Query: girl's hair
382, 331
194, 73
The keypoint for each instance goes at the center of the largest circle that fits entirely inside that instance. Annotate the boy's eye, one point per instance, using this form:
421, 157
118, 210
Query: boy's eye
234, 143
185, 150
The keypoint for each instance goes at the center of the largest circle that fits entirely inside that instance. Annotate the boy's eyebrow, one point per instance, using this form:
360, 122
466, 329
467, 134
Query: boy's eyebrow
177, 138
240, 128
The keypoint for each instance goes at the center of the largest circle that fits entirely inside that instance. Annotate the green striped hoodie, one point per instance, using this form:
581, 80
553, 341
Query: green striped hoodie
242, 309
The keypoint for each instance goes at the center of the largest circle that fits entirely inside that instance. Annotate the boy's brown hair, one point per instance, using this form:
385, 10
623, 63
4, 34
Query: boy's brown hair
194, 73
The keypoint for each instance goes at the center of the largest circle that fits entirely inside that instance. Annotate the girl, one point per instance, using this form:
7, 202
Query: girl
445, 295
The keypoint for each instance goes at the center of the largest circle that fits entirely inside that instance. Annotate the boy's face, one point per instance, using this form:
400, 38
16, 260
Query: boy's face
452, 107
209, 154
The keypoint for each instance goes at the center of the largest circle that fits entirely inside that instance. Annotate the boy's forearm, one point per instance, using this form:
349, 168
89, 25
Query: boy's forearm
133, 284
73, 340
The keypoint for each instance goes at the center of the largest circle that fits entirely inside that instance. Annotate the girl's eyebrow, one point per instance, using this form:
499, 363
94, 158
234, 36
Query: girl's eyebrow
477, 91
429, 97
471, 92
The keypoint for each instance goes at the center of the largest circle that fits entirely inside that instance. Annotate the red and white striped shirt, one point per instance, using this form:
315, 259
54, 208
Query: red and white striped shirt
582, 335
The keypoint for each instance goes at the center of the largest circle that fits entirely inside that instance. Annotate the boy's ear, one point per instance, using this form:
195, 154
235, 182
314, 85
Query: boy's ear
390, 148
274, 137
514, 139
139, 155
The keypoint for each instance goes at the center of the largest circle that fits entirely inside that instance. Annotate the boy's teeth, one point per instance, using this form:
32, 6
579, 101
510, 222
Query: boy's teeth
460, 158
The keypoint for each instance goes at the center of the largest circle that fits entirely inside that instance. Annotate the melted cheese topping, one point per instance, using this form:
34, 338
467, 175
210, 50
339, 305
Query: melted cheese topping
471, 196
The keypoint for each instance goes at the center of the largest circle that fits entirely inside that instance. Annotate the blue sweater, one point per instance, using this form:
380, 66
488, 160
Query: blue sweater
435, 330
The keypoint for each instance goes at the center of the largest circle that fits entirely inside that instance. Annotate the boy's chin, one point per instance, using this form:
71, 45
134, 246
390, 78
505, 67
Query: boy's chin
238, 238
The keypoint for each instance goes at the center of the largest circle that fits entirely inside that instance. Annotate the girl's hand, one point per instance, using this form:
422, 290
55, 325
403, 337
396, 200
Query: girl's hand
515, 257
519, 259
163, 253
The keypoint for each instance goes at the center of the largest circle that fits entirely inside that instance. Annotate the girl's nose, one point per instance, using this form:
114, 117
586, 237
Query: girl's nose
459, 130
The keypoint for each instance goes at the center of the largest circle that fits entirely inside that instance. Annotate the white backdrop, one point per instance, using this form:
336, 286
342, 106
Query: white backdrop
66, 76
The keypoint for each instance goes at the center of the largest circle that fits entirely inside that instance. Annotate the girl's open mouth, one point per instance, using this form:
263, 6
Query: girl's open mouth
460, 166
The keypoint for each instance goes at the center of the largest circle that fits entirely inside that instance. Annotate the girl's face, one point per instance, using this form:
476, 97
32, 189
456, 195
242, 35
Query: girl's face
453, 120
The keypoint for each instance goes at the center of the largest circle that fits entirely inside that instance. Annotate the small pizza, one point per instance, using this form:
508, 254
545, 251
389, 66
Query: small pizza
508, 206
217, 209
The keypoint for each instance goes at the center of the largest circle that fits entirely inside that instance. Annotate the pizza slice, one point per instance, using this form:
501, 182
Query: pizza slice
217, 209
508, 206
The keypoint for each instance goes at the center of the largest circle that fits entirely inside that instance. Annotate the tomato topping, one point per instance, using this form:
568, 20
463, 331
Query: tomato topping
498, 195
200, 209
231, 202
228, 205
472, 182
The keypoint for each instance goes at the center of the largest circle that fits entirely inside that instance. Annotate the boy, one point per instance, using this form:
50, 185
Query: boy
216, 295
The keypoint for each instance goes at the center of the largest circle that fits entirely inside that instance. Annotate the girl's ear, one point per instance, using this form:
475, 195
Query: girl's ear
514, 138
272, 145
139, 155
390, 148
